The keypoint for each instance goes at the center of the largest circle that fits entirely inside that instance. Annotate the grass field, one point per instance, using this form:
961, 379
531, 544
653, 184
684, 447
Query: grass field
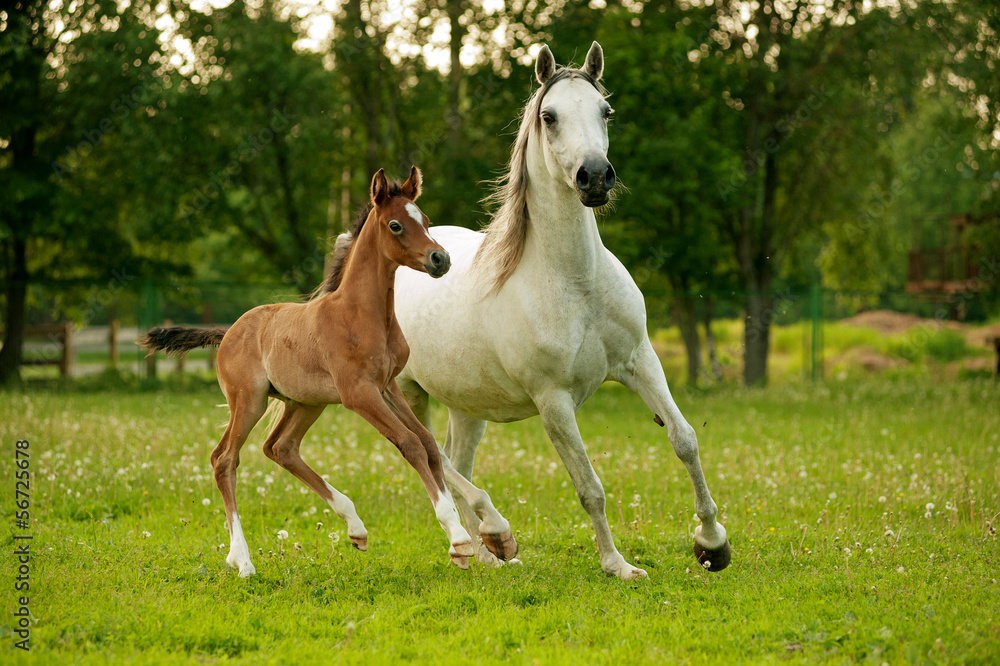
859, 515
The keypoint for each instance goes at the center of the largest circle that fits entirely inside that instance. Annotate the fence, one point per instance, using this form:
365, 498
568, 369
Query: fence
799, 319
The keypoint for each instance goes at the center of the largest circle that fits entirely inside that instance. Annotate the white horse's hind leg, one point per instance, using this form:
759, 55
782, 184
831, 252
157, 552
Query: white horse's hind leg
383, 410
479, 516
559, 418
711, 545
483, 522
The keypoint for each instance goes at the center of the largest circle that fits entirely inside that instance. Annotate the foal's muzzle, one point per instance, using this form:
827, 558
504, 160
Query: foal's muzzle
437, 263
595, 180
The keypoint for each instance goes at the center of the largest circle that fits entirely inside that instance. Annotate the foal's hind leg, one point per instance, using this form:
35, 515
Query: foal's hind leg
244, 412
282, 446
366, 401
479, 516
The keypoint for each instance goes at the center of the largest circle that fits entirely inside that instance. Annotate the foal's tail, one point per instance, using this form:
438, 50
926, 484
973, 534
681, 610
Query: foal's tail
176, 340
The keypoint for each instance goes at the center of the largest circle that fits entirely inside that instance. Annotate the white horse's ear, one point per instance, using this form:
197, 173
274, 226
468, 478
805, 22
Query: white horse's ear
380, 188
594, 66
411, 188
545, 65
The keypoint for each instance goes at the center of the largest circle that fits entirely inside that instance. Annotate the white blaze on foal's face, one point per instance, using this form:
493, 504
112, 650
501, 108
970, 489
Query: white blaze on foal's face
417, 215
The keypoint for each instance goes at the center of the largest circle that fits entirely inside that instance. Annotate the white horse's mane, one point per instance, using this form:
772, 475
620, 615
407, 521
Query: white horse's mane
503, 245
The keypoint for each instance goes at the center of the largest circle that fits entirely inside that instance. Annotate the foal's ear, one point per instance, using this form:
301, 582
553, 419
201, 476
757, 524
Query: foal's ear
594, 66
411, 188
380, 188
545, 65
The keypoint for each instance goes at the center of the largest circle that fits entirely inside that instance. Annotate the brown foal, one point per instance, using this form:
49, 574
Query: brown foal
342, 346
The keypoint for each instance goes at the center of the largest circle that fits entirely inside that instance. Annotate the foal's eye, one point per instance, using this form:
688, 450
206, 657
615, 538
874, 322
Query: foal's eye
395, 227
548, 118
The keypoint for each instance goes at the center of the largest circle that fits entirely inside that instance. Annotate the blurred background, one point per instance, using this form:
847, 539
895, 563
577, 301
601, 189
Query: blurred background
811, 187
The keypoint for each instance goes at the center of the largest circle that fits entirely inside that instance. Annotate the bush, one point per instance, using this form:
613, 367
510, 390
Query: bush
946, 345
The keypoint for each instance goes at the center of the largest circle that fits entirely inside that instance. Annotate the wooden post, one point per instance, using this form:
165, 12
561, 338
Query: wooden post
67, 348
113, 344
151, 366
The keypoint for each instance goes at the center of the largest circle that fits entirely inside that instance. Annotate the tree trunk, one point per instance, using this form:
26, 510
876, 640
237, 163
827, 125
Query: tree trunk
713, 357
757, 335
17, 290
455, 11
687, 322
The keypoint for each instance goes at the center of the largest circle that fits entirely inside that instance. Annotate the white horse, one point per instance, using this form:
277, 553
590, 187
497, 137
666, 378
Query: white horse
536, 313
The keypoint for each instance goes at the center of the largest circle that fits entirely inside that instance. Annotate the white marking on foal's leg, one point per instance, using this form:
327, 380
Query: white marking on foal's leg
461, 543
344, 507
239, 552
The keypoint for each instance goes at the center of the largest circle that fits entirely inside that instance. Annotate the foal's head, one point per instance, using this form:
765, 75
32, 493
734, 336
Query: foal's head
573, 118
403, 228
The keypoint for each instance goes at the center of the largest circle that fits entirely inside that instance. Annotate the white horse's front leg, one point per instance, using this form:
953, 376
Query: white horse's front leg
559, 418
711, 546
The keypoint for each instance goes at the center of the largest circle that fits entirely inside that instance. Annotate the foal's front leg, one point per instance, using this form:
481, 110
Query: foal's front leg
366, 401
494, 529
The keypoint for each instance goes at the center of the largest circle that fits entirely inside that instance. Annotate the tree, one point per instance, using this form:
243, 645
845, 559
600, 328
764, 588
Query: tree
67, 92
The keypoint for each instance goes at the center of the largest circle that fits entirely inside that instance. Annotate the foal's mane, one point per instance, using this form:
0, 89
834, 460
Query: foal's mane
345, 242
501, 250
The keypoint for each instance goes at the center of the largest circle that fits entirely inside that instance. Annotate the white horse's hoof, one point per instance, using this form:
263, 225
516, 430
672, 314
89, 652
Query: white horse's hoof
489, 559
625, 571
502, 545
245, 567
460, 554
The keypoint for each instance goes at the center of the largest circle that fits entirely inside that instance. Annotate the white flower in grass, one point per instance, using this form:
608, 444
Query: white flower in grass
145, 534
282, 534
206, 502
334, 537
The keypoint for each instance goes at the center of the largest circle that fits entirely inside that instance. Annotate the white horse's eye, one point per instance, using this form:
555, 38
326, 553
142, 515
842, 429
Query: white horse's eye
395, 227
548, 117
608, 112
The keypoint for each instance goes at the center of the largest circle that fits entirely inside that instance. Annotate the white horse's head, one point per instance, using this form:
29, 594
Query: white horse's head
573, 122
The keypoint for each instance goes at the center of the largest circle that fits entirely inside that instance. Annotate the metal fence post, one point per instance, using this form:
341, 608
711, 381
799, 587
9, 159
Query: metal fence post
816, 348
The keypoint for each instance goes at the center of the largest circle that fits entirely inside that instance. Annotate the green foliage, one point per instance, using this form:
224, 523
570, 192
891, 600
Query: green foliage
859, 519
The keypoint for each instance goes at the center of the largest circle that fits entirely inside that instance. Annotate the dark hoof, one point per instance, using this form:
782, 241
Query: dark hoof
502, 545
713, 560
361, 543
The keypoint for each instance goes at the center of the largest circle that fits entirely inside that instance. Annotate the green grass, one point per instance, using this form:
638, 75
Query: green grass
858, 514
